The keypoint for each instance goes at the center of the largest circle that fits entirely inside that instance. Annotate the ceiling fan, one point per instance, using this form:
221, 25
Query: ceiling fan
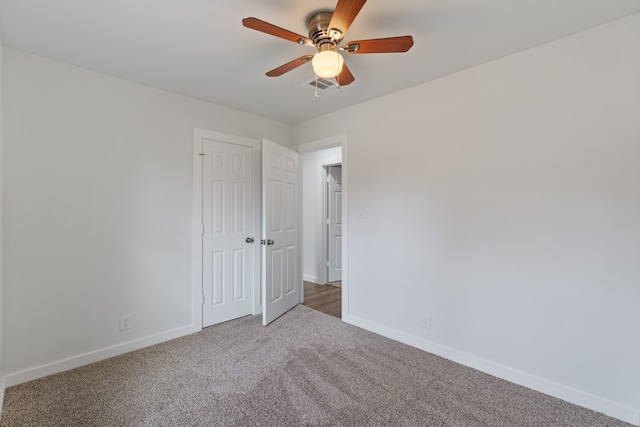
326, 31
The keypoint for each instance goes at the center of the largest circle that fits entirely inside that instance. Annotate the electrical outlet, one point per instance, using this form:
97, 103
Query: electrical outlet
426, 321
125, 322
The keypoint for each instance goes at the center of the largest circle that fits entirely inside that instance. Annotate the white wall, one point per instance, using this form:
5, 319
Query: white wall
2, 382
504, 201
313, 183
98, 188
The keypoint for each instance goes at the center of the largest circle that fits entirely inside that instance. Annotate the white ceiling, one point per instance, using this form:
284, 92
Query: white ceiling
200, 49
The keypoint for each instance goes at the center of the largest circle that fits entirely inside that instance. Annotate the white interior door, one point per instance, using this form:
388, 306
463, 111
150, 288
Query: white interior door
228, 220
334, 224
281, 268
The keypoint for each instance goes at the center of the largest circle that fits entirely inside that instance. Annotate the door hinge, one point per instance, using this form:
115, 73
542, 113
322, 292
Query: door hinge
202, 299
328, 264
203, 229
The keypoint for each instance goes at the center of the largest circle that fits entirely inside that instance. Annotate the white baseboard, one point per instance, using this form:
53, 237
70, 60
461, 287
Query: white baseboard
2, 387
93, 356
560, 391
312, 279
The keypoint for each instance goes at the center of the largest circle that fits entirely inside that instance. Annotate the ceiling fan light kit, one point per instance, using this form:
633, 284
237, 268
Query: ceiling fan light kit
327, 63
326, 31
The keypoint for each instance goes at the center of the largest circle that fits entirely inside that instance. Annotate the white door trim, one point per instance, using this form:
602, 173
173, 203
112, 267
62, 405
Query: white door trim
322, 144
196, 230
338, 141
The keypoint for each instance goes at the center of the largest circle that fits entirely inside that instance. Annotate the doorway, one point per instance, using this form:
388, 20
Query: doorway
316, 159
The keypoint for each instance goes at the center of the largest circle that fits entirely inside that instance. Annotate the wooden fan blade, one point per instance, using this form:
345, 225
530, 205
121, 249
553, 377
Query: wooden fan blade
388, 45
346, 11
265, 27
290, 66
345, 77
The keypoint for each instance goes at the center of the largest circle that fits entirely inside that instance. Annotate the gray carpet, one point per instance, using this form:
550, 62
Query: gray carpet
307, 368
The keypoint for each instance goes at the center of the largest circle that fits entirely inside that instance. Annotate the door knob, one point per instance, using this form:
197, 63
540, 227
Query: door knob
270, 242
249, 240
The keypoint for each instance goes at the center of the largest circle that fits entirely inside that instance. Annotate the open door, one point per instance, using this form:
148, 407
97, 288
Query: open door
281, 231
334, 224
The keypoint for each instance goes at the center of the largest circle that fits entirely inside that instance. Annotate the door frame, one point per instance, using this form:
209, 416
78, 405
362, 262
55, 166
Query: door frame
196, 231
330, 142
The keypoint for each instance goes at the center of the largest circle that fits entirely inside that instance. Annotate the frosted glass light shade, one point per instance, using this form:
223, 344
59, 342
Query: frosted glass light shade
327, 63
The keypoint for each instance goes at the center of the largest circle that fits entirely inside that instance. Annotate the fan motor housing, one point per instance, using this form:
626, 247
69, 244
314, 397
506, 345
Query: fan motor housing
318, 24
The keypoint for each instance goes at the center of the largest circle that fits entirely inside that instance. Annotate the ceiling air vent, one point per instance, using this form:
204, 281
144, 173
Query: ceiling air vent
323, 85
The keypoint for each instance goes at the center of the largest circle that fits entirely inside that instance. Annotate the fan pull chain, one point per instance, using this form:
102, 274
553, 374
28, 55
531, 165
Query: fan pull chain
317, 94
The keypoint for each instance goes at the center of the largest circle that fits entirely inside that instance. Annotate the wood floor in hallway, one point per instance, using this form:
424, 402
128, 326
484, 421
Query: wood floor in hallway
324, 298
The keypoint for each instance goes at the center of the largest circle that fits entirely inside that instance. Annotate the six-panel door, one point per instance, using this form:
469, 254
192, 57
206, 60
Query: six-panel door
228, 218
